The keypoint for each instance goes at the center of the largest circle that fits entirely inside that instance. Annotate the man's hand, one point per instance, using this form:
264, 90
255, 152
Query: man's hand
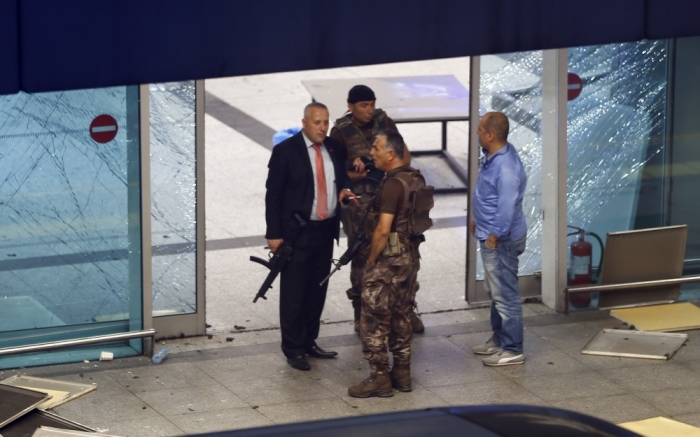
347, 194
359, 165
275, 244
491, 242
472, 228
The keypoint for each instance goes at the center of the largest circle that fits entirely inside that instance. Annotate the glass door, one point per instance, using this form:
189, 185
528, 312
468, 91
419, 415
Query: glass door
512, 84
70, 221
176, 145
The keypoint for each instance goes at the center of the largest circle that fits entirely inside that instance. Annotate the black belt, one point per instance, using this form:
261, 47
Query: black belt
321, 225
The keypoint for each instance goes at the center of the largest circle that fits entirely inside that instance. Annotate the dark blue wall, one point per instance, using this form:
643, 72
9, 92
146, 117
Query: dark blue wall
9, 47
672, 18
72, 44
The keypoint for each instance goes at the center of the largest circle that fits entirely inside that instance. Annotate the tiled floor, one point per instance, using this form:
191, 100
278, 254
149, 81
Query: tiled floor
210, 384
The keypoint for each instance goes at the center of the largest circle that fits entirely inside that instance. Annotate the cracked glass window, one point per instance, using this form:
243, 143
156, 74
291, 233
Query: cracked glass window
70, 230
615, 127
173, 197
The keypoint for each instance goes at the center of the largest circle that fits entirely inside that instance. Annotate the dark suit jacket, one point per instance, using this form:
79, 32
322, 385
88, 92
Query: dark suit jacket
290, 185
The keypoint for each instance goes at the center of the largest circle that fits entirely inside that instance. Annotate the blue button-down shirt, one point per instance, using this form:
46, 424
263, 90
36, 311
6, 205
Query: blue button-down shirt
498, 197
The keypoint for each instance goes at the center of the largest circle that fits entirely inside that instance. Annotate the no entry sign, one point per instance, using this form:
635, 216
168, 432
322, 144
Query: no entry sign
103, 128
575, 86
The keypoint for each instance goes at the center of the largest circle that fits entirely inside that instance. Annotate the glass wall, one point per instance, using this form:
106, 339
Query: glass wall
676, 172
70, 230
616, 129
633, 144
173, 197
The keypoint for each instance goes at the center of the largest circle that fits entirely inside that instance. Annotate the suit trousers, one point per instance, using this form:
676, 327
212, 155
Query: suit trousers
301, 297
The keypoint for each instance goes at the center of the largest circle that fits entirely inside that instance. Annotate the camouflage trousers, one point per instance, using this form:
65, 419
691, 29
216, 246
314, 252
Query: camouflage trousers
387, 298
352, 224
357, 271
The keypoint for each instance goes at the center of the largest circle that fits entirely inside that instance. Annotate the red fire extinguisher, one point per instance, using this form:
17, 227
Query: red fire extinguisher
580, 268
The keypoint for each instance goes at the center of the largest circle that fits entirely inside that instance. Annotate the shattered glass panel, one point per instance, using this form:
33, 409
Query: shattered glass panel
70, 230
173, 197
512, 84
615, 127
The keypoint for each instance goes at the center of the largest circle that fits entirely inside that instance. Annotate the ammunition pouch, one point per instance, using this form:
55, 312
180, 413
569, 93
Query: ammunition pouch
394, 246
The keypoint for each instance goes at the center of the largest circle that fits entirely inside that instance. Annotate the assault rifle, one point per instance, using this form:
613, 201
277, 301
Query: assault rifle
277, 262
347, 256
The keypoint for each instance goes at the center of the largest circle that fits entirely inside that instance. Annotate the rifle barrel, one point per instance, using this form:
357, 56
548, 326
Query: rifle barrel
337, 267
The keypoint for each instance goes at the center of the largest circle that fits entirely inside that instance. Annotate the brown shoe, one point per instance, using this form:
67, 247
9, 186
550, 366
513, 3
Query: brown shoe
357, 305
401, 378
416, 323
376, 385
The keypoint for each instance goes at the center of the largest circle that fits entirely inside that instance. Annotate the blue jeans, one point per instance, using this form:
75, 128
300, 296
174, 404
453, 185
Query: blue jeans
501, 283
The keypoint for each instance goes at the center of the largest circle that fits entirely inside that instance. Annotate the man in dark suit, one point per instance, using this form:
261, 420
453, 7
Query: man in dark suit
306, 177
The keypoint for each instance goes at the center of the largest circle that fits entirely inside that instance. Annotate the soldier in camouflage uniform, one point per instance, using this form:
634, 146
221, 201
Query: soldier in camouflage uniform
357, 131
389, 276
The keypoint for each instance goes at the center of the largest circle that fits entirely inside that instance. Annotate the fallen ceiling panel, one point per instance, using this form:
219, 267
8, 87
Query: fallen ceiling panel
661, 427
634, 344
661, 318
29, 423
74, 389
627, 260
47, 431
56, 398
16, 402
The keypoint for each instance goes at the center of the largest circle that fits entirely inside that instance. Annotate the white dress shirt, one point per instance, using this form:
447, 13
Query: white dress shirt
332, 201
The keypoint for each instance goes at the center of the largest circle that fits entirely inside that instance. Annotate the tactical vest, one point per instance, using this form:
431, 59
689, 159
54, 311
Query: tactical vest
357, 144
414, 217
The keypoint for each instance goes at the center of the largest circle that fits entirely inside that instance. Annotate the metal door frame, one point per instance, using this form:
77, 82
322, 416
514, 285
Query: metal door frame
550, 283
181, 324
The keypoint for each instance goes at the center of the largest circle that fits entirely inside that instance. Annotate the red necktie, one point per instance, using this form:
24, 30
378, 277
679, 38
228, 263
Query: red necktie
322, 195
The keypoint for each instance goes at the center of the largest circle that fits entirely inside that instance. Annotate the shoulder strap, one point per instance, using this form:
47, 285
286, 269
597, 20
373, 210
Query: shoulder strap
406, 189
401, 176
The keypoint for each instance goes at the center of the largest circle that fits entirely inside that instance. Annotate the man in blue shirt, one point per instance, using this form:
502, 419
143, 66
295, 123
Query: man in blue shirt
499, 225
